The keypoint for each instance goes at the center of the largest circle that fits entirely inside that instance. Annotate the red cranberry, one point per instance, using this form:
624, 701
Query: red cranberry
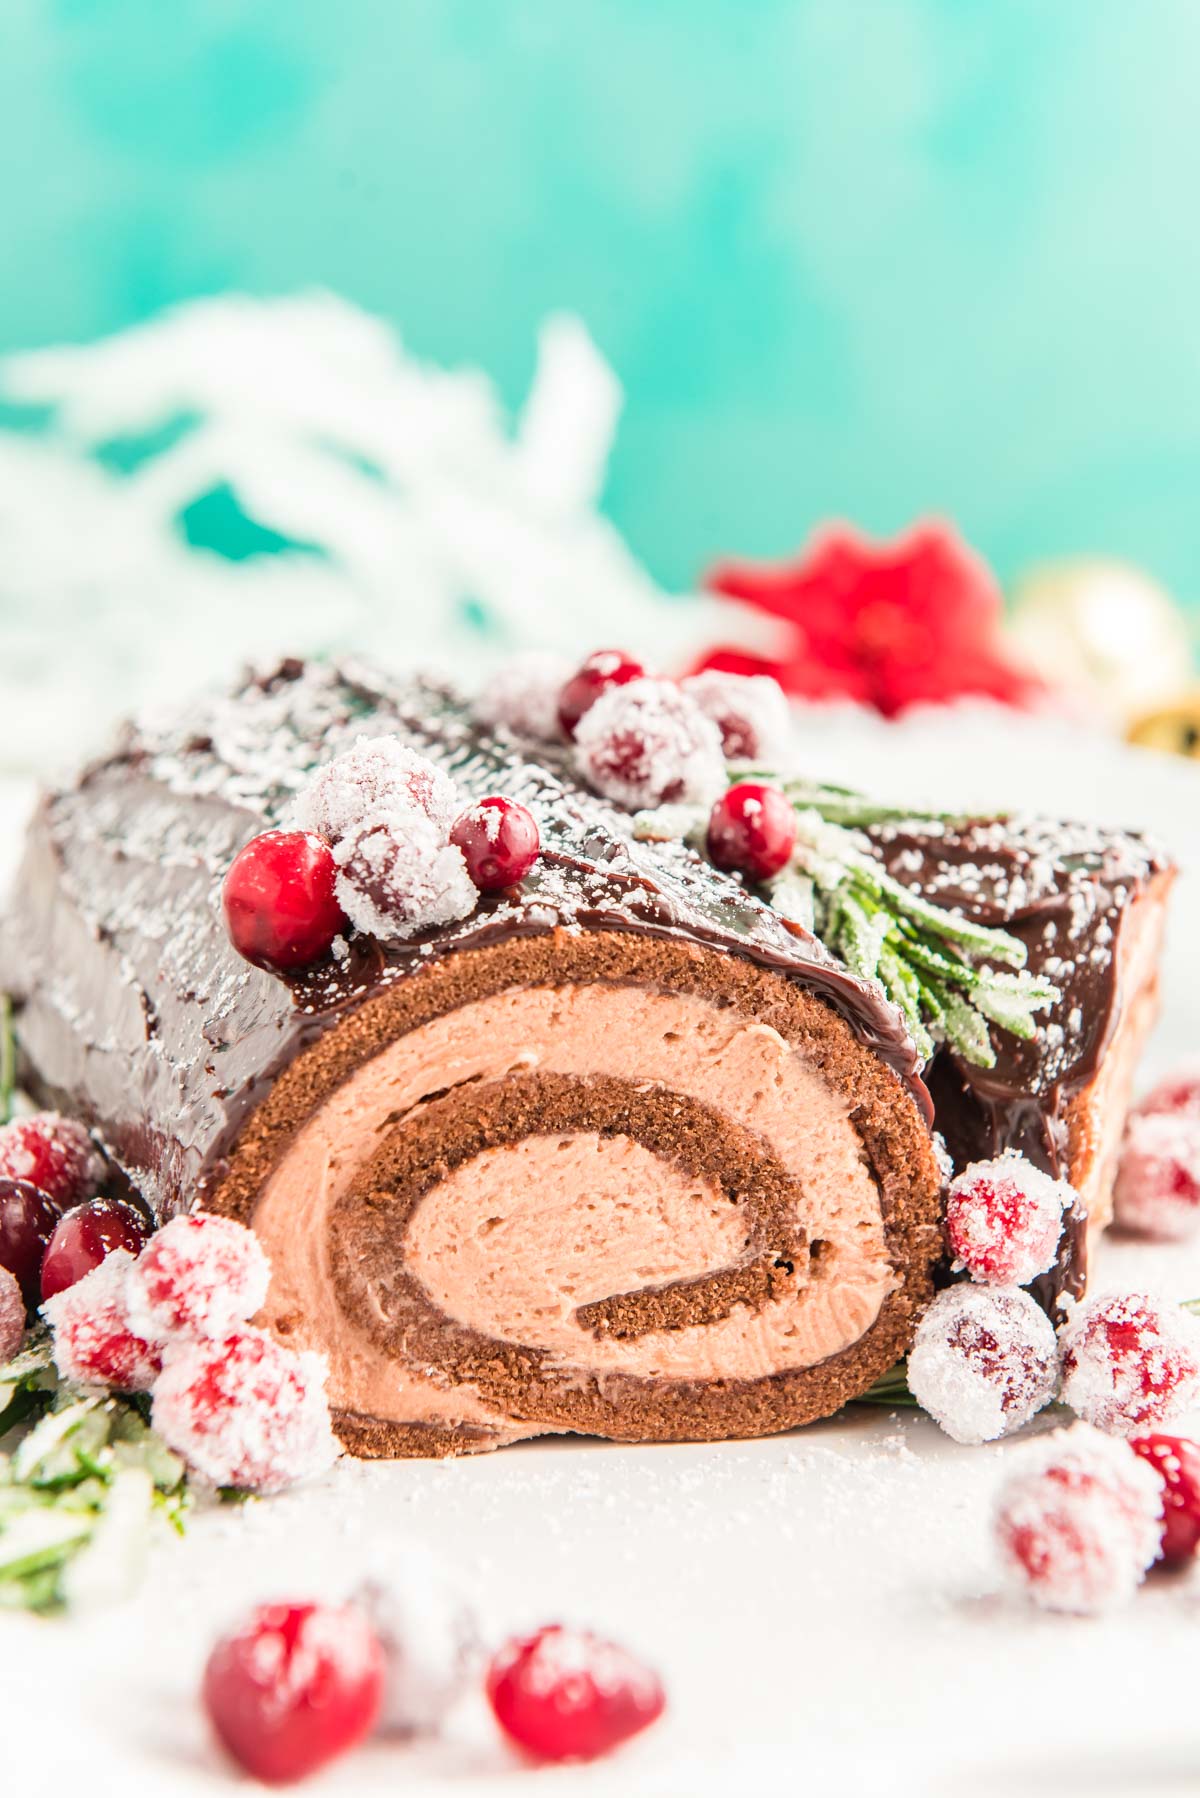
53, 1153
295, 1686
499, 840
565, 1695
27, 1222
85, 1236
752, 830
1177, 1462
604, 668
280, 904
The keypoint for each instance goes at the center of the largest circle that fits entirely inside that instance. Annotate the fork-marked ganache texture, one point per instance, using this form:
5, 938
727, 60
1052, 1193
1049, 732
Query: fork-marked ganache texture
619, 1152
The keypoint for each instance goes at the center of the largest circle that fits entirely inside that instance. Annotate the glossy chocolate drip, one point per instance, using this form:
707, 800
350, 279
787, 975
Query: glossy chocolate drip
1064, 891
139, 1015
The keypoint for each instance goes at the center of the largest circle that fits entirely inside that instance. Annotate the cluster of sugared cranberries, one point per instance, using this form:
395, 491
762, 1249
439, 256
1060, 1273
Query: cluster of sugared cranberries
645, 742
983, 1362
1130, 1362
1004, 1219
241, 1409
52, 1229
1078, 1527
295, 1685
385, 847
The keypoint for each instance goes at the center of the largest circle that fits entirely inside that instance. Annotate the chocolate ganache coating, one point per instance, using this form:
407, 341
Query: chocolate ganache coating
137, 1014
1064, 890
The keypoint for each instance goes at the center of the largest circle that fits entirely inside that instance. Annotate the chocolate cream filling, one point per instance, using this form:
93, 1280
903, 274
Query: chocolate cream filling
639, 1190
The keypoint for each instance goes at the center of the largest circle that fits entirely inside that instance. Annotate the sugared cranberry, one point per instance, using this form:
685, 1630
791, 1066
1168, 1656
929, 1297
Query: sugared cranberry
422, 1613
293, 1687
83, 1238
499, 841
94, 1342
604, 668
750, 711
1004, 1219
27, 1222
1179, 1092
53, 1153
12, 1315
244, 1411
201, 1276
752, 830
280, 906
1157, 1189
369, 783
1176, 1460
1079, 1527
565, 1695
1130, 1361
522, 694
647, 744
983, 1362
402, 875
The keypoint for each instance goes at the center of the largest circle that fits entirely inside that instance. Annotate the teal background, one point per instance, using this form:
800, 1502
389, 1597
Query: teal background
872, 257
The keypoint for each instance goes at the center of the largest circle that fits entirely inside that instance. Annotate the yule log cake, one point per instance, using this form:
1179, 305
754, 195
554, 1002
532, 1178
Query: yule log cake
621, 1147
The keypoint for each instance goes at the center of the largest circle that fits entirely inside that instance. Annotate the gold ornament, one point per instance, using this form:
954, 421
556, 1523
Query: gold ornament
1106, 632
1174, 727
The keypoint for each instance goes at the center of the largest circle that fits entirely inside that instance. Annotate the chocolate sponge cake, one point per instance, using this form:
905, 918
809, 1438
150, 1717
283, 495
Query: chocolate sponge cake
620, 1151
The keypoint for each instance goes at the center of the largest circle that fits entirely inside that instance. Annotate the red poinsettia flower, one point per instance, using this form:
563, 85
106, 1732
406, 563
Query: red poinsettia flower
891, 625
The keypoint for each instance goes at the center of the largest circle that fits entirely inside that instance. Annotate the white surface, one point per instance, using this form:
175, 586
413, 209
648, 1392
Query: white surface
822, 1605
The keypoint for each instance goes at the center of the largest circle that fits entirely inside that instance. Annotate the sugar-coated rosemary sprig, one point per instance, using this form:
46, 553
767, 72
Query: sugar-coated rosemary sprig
79, 1489
935, 964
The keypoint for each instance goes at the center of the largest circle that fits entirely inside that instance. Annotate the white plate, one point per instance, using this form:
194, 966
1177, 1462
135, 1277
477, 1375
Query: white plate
822, 1605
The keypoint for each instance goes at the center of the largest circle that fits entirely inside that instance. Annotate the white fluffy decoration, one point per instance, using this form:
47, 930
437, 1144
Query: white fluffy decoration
440, 534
